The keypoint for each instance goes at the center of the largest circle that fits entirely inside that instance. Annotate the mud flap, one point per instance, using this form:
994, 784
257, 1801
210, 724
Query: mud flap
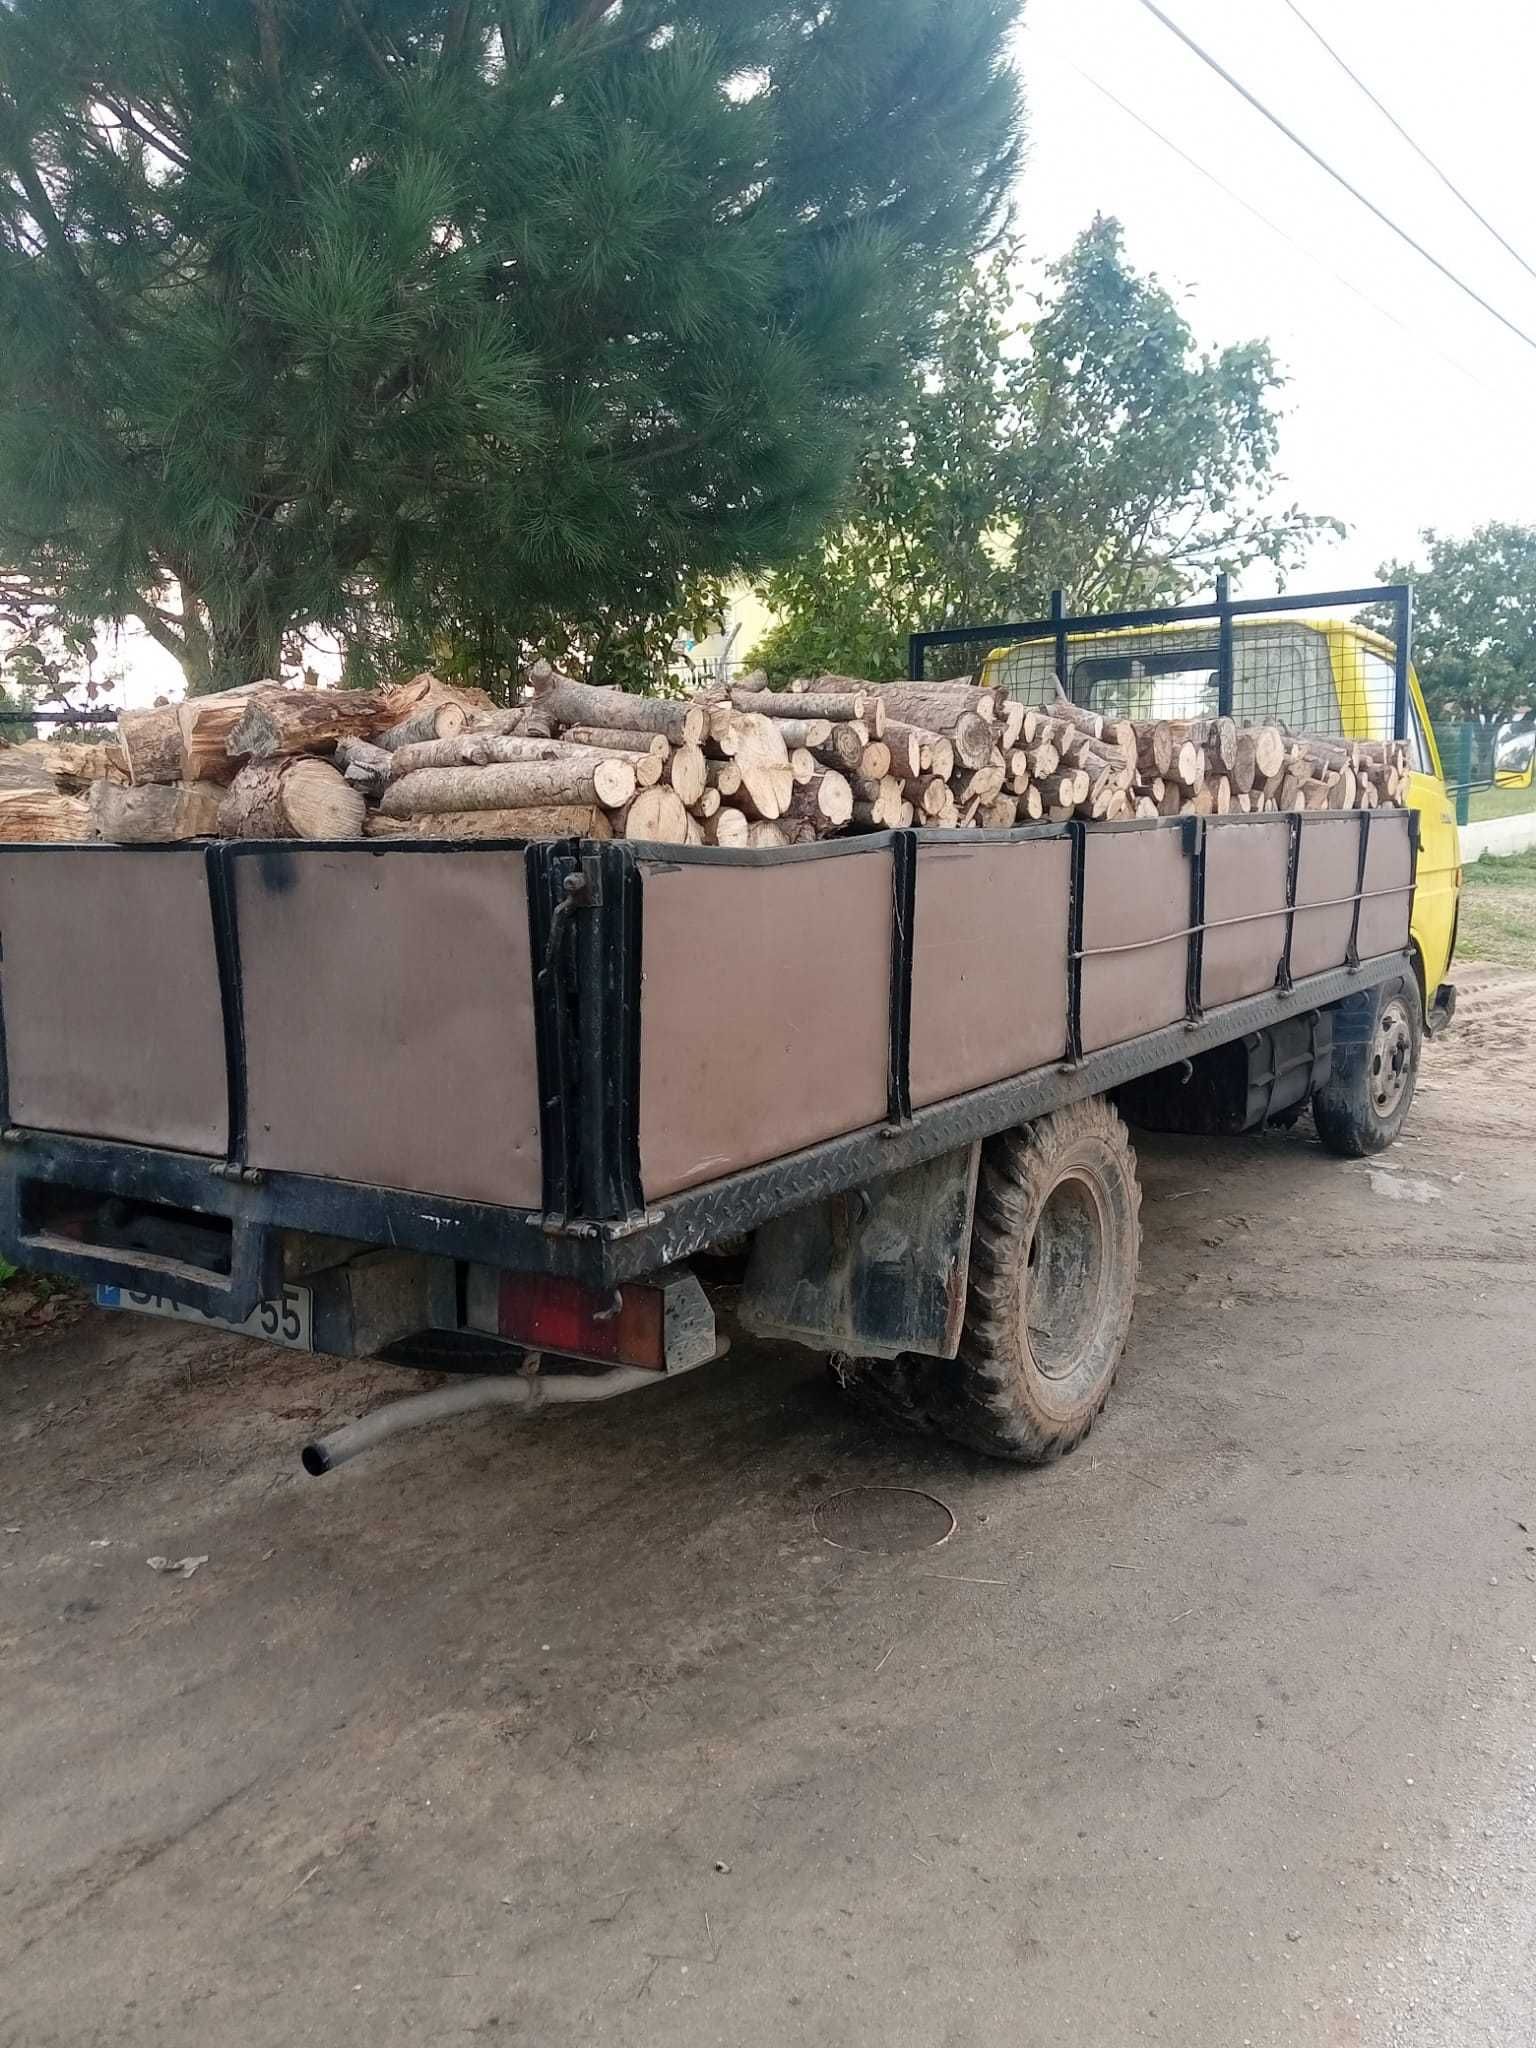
877, 1271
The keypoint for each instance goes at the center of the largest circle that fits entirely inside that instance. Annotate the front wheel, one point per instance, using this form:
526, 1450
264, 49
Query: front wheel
1365, 1104
1054, 1253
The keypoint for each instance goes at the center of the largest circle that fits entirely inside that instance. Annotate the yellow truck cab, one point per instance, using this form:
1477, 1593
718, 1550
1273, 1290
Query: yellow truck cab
1311, 674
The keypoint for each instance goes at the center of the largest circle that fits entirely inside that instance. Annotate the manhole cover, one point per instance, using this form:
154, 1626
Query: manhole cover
883, 1518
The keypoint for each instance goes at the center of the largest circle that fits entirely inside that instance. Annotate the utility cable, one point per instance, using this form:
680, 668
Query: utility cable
1338, 176
1412, 141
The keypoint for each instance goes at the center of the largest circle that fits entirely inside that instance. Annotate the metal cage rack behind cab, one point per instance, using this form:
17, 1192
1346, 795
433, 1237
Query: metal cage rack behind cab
1254, 659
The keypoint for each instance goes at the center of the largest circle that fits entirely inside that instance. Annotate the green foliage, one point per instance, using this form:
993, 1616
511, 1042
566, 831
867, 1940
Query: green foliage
1474, 630
380, 313
1093, 449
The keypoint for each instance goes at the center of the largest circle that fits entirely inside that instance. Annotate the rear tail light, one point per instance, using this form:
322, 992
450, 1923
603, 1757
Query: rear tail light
664, 1322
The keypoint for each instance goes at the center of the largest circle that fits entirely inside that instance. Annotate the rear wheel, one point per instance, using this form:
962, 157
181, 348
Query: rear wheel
1054, 1253
1365, 1104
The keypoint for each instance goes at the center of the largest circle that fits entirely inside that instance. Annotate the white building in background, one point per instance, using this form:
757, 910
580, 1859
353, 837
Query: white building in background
722, 654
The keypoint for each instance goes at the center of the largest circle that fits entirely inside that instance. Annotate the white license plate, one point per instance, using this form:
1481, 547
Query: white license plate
283, 1320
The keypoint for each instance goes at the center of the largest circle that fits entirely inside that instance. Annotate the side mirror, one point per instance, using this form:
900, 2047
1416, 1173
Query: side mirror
1514, 754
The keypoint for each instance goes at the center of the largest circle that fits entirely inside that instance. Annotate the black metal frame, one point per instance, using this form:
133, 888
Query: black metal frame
1058, 628
586, 912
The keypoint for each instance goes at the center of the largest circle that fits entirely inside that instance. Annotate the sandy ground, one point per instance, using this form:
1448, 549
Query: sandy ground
1218, 1733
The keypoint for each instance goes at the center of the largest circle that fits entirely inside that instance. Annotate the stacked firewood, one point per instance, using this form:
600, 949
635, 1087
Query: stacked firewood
751, 767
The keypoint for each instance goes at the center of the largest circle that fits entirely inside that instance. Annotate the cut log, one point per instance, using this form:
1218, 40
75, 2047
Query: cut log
521, 719
1001, 815
512, 785
980, 786
906, 744
71, 765
1188, 766
431, 722
479, 750
556, 821
366, 767
611, 738
842, 749
766, 834
1041, 760
1245, 763
205, 724
157, 813
805, 732
928, 794
724, 776
827, 800
767, 780
875, 759
1269, 750
43, 814
276, 723
686, 772
694, 832
657, 816
728, 827
151, 740
680, 720
1154, 746
938, 708
706, 803
835, 705
296, 798
1031, 807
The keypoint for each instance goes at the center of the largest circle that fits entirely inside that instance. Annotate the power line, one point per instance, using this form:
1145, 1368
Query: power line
1338, 176
1274, 227
1418, 149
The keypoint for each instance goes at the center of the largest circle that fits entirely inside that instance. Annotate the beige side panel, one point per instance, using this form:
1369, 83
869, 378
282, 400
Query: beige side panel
111, 993
1388, 866
1246, 865
1327, 868
989, 970
389, 1020
1136, 900
765, 1011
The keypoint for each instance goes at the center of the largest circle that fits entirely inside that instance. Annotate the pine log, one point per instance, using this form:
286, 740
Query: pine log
724, 776
728, 827
685, 770
980, 786
609, 738
827, 800
521, 719
1154, 746
802, 765
940, 709
157, 813
805, 732
47, 813
431, 722
554, 821
294, 798
1042, 760
906, 744
479, 750
151, 740
657, 816
841, 749
767, 780
1031, 806
836, 705
417, 692
571, 703
706, 803
928, 794
512, 785
205, 724
1188, 766
1269, 750
875, 759
1011, 719
276, 723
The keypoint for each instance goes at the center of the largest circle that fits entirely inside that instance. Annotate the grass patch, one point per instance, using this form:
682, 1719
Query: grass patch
1483, 804
1498, 911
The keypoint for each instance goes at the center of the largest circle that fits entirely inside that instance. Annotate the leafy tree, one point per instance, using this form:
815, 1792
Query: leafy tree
1474, 630
382, 312
1092, 449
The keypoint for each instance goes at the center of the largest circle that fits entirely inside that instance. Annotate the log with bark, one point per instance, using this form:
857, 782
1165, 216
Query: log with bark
156, 813
574, 778
534, 821
43, 814
275, 722
295, 798
151, 741
205, 725
567, 702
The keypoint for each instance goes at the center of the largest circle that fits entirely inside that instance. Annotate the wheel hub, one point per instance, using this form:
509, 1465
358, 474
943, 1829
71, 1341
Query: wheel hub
1066, 1275
1391, 1059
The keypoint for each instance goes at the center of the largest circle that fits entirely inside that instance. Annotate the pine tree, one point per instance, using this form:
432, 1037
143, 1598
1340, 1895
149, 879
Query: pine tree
313, 309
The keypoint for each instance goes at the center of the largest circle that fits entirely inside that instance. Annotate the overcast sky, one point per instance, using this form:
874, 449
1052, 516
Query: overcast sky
1390, 427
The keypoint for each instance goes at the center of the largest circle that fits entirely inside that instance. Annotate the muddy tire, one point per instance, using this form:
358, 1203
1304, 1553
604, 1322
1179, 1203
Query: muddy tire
1054, 1253
1366, 1102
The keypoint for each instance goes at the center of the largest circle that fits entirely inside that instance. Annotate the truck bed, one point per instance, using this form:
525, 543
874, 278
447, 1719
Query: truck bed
595, 1059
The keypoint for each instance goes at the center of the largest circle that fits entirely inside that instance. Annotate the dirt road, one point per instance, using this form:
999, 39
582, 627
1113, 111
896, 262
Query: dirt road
1216, 1733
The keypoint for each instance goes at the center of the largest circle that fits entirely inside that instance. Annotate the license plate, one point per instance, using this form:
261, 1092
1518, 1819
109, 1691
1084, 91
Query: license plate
284, 1320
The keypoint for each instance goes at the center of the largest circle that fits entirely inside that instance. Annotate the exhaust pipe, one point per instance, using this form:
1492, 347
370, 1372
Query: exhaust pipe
526, 1393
